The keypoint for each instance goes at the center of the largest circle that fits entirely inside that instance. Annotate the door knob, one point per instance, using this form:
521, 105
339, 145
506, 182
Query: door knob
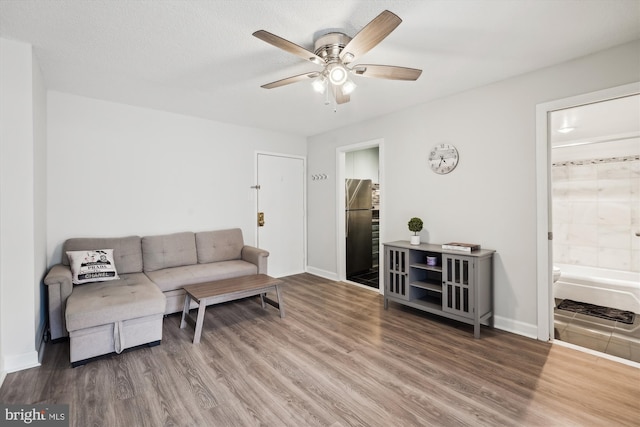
260, 219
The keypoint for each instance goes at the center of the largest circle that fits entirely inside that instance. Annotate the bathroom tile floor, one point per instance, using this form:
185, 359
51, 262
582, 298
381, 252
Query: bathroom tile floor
606, 336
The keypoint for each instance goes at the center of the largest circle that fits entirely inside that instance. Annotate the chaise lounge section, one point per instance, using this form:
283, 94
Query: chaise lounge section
111, 316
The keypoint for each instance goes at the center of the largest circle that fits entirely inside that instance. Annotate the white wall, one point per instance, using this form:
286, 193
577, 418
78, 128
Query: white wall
21, 124
490, 198
115, 170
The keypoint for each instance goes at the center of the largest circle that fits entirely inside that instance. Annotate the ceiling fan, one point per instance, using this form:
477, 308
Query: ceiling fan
335, 52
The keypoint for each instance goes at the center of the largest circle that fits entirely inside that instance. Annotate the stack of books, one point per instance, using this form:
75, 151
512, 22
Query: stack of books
462, 247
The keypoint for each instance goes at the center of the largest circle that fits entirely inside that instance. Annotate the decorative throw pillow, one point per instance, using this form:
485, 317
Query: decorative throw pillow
92, 266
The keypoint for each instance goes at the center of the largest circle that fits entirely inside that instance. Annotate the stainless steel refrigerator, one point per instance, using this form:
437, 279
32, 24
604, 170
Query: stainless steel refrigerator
358, 225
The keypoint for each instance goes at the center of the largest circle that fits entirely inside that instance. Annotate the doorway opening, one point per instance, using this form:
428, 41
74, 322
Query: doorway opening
359, 214
595, 177
588, 180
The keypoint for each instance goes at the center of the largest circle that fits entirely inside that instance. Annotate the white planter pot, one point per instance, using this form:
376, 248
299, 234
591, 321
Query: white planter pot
415, 240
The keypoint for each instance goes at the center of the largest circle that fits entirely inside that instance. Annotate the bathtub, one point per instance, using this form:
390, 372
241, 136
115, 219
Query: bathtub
609, 288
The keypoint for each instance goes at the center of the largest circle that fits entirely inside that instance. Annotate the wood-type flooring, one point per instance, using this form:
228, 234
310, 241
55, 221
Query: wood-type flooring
336, 359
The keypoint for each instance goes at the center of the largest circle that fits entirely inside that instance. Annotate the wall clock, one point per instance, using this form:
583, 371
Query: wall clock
443, 158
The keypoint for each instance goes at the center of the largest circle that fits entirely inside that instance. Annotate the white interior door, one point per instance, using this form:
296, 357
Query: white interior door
281, 201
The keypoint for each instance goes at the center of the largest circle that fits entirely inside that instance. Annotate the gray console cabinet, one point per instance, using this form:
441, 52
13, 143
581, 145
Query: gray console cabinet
459, 286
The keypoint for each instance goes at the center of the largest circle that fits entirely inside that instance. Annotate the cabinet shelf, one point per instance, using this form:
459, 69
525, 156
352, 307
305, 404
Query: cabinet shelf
429, 306
430, 286
458, 287
422, 266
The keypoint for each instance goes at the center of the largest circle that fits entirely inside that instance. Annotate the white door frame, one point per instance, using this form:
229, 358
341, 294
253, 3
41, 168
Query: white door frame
544, 249
340, 205
304, 197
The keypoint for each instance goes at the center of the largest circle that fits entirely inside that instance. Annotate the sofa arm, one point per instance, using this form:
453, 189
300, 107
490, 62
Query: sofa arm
59, 285
256, 256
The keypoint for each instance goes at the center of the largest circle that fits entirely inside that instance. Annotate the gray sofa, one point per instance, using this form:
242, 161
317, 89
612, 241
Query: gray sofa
106, 317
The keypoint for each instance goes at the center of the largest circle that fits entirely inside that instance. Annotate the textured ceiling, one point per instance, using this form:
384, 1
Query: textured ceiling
199, 57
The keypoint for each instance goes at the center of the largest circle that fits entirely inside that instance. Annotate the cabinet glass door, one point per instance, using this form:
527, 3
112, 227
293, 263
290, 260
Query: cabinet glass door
456, 287
396, 269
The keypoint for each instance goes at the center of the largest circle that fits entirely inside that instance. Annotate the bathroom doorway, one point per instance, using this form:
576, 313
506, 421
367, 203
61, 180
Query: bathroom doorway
595, 216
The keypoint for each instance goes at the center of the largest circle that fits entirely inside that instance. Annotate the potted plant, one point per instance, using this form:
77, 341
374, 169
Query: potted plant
415, 225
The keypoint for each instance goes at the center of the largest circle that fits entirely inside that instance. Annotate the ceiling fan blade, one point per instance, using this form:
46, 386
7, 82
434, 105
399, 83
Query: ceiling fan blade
290, 47
292, 79
341, 98
372, 34
387, 72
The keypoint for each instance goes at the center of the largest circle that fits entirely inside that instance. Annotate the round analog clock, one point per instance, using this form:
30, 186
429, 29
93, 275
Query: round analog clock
443, 158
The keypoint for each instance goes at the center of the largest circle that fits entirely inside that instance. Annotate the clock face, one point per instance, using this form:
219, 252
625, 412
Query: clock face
443, 158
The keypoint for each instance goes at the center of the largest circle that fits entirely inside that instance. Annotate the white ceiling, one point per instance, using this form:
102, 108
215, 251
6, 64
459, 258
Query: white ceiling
601, 121
199, 57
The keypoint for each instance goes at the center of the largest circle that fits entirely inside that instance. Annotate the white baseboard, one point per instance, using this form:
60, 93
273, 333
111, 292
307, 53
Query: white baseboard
18, 362
3, 375
288, 273
516, 327
322, 273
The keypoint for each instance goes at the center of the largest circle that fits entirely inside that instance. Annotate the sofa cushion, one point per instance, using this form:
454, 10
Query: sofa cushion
94, 304
174, 278
127, 252
92, 266
219, 245
169, 250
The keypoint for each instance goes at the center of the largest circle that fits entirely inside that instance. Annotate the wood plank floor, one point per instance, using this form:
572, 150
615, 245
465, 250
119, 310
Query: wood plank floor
336, 359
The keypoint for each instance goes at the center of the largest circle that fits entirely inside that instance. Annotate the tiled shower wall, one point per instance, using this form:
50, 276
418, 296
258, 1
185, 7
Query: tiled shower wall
596, 212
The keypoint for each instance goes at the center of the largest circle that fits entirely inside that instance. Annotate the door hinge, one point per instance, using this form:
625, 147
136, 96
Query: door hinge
260, 219
550, 235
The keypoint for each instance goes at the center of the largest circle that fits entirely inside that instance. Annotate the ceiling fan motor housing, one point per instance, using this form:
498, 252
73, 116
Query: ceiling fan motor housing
329, 46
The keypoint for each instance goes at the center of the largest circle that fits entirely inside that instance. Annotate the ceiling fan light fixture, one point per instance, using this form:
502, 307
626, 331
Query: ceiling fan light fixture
337, 74
319, 84
348, 87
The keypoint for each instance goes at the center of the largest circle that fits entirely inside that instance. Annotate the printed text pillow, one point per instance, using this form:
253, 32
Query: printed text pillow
92, 266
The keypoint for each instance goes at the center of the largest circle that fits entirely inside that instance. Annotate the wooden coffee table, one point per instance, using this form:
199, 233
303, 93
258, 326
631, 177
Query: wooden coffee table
209, 293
